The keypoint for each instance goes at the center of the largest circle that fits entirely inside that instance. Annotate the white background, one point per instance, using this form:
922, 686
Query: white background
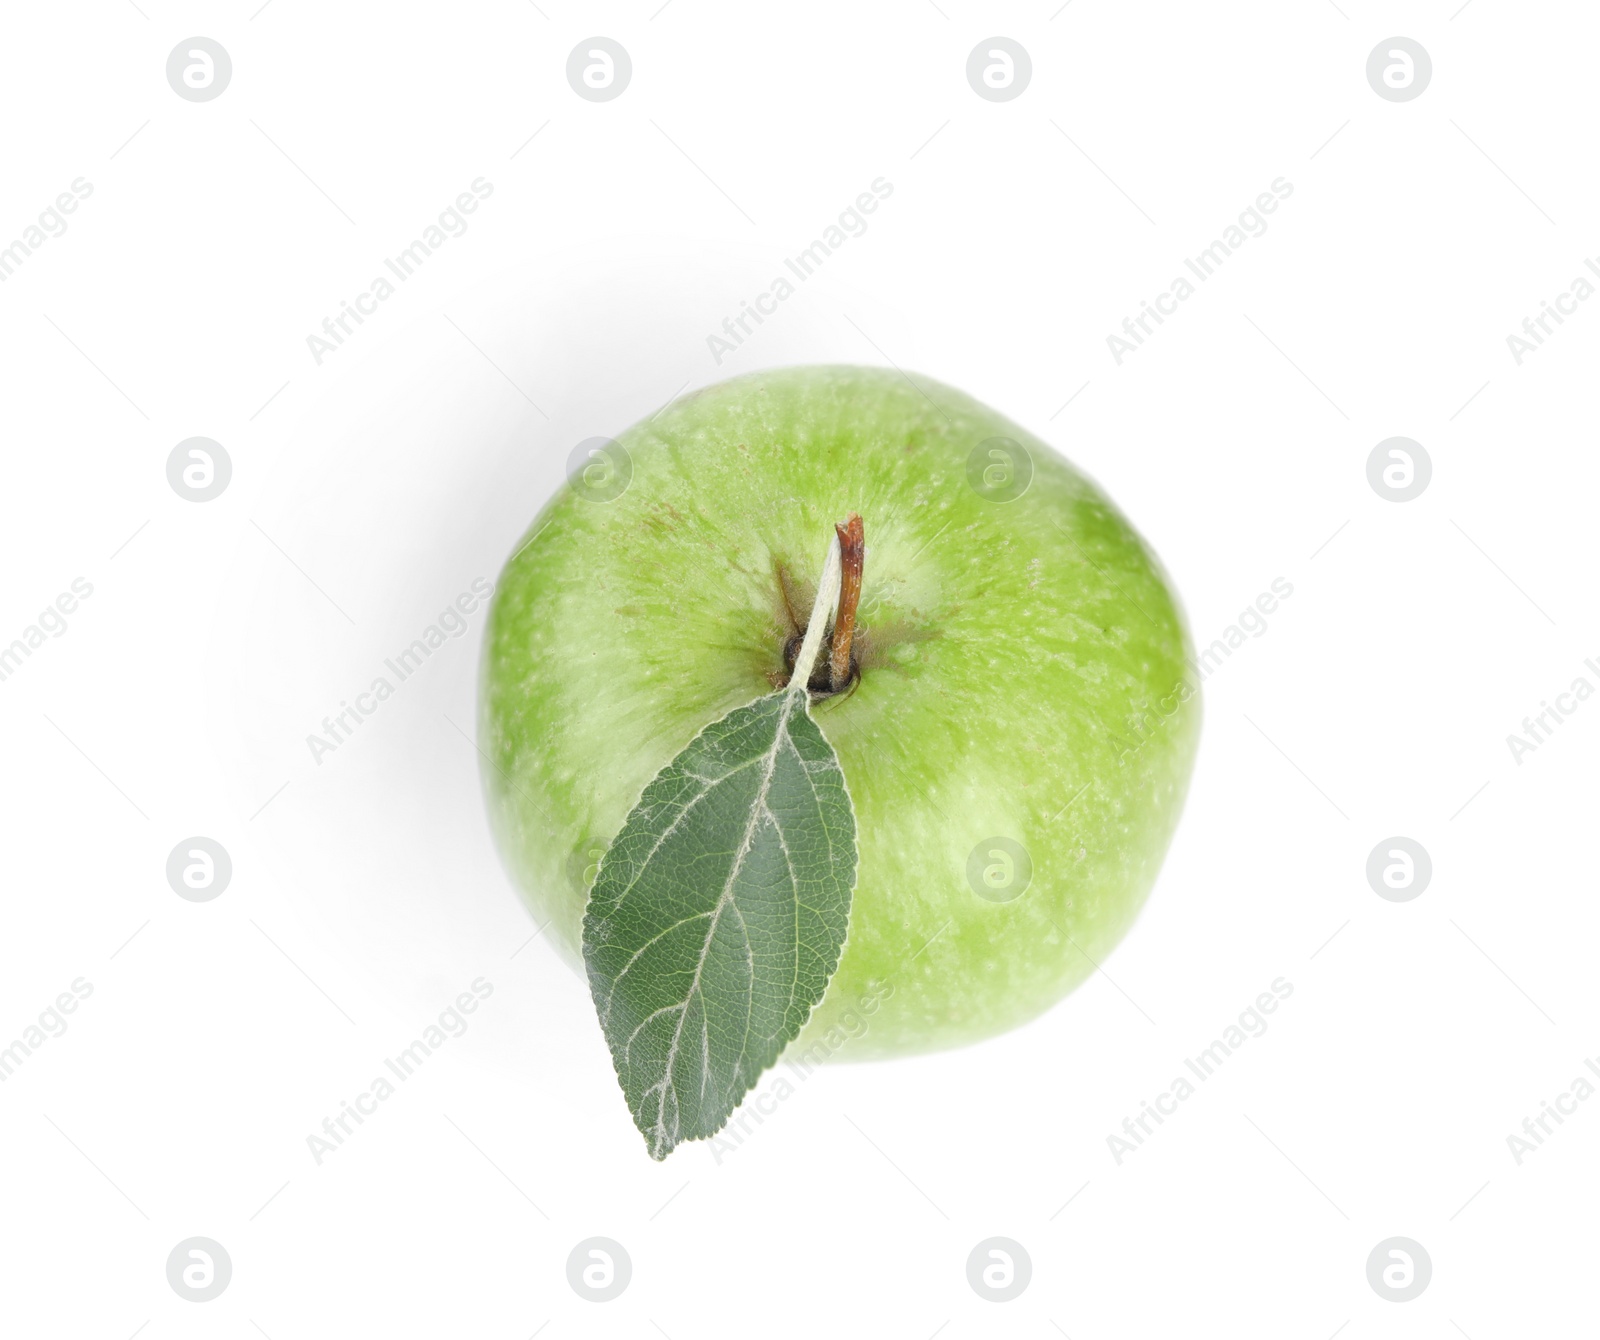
369, 491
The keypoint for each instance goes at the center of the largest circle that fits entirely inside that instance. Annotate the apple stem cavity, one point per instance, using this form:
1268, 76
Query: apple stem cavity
852, 558
827, 592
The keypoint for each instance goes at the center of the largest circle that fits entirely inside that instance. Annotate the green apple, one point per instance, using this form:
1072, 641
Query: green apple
1017, 738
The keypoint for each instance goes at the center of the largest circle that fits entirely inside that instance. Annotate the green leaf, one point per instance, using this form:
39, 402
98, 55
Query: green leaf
719, 913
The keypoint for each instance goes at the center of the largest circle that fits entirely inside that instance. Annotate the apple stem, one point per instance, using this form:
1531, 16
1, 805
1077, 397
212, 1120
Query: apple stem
852, 558
827, 593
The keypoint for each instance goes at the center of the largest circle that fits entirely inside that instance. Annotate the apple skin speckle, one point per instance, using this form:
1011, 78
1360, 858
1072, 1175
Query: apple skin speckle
1025, 676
